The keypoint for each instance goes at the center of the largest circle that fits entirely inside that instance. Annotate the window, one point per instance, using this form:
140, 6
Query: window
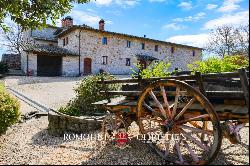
67, 40
193, 52
156, 48
172, 49
143, 46
128, 44
64, 42
127, 61
105, 60
104, 41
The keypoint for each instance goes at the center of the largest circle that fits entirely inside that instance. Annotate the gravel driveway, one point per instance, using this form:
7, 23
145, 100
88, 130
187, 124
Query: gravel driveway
29, 142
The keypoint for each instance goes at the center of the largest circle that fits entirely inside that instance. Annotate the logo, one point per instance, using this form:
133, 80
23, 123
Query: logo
121, 139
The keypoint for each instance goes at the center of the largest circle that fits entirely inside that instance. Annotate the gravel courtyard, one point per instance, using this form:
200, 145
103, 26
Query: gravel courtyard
29, 142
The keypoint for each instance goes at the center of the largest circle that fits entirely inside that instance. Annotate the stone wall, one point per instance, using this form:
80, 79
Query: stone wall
12, 60
117, 51
59, 125
70, 66
32, 64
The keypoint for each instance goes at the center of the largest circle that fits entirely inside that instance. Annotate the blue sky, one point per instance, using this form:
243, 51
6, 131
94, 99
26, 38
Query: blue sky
180, 21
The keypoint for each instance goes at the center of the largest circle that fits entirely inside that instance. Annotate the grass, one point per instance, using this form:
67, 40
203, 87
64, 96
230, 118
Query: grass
2, 88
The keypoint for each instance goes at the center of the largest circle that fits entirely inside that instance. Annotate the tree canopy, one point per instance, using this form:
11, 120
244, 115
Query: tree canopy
34, 13
229, 40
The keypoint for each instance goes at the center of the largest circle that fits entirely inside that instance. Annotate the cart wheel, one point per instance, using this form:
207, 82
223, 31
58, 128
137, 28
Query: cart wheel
111, 124
179, 122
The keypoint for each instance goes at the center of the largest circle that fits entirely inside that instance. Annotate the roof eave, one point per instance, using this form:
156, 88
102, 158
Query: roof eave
131, 36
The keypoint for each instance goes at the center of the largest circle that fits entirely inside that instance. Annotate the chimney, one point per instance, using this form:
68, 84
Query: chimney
67, 21
101, 25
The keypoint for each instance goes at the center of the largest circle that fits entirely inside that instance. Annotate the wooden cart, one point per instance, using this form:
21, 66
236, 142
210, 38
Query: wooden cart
189, 114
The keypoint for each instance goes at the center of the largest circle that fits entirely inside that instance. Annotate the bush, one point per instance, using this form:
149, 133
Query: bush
217, 65
3, 68
155, 69
88, 92
9, 111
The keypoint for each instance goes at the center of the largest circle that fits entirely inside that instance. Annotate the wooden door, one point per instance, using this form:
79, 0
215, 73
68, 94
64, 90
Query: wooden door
49, 65
87, 65
143, 63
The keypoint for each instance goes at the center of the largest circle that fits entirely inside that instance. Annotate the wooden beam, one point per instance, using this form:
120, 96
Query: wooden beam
245, 84
200, 83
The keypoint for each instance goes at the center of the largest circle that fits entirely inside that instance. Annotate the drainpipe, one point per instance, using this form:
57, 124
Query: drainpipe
80, 52
27, 67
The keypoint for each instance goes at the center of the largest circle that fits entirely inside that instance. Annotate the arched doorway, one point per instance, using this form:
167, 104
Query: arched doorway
87, 65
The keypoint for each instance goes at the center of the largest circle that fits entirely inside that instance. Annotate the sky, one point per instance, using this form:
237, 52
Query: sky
180, 21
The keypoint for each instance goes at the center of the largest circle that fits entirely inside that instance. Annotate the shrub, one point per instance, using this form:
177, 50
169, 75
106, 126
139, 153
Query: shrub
217, 65
9, 111
155, 69
87, 93
3, 68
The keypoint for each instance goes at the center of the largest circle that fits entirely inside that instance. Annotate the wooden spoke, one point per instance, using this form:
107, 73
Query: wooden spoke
158, 104
148, 107
200, 144
204, 128
193, 155
166, 152
194, 123
177, 147
176, 100
167, 105
193, 119
165, 100
185, 108
197, 130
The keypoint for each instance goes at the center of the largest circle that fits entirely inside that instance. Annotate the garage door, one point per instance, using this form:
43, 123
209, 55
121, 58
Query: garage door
49, 65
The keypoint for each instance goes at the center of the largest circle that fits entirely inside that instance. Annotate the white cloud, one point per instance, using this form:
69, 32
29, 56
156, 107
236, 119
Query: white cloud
198, 40
123, 3
103, 2
174, 26
229, 6
211, 6
82, 17
185, 5
157, 0
194, 18
236, 19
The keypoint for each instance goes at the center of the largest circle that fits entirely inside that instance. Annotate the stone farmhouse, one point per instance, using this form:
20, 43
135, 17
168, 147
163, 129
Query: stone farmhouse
73, 50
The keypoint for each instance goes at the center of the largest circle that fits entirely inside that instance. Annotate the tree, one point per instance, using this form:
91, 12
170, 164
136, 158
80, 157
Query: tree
228, 40
34, 13
13, 38
242, 38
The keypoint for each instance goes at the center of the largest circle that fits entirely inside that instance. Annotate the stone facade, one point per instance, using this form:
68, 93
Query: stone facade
116, 52
41, 37
70, 66
12, 60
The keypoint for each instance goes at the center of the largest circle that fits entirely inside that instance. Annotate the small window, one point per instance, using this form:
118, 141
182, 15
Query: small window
156, 48
143, 46
104, 41
128, 44
127, 61
172, 50
193, 52
67, 40
64, 42
105, 60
